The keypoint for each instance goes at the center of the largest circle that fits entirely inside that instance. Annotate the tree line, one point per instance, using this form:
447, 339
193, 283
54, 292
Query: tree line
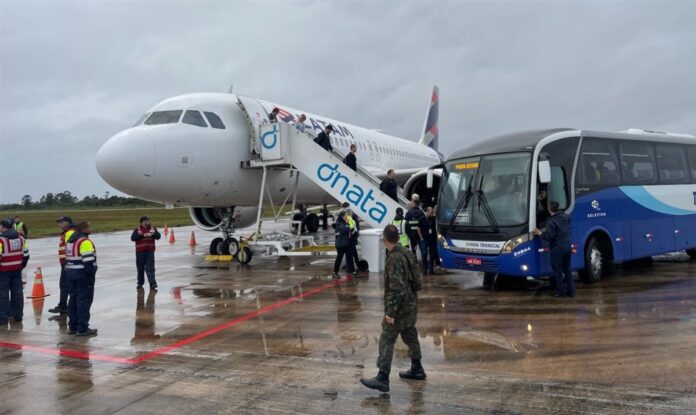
67, 200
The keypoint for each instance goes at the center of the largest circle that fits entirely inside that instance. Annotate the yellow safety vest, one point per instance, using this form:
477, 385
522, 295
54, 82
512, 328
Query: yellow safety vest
403, 238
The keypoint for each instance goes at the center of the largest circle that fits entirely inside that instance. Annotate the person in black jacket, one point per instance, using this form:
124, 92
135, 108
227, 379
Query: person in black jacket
323, 138
388, 185
343, 235
350, 159
557, 234
273, 116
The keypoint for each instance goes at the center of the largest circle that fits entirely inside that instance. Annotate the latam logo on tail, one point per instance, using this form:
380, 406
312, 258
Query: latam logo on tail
352, 192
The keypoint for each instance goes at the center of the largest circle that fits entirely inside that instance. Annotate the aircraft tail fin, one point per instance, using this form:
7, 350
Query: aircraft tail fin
431, 126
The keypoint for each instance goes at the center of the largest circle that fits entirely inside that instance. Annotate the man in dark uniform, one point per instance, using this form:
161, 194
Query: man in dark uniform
323, 138
388, 185
350, 159
557, 234
14, 256
80, 271
400, 313
413, 217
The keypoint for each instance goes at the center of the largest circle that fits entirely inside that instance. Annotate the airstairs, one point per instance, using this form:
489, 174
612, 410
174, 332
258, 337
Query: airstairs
281, 145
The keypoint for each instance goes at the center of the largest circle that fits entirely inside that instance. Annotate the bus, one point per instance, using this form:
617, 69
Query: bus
630, 195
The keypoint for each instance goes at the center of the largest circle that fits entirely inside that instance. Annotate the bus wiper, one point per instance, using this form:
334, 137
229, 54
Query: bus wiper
486, 207
463, 203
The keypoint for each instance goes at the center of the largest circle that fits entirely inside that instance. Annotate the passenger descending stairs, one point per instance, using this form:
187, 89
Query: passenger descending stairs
281, 145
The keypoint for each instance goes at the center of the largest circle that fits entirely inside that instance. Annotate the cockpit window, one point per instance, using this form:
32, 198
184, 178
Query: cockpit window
164, 117
194, 118
214, 120
141, 119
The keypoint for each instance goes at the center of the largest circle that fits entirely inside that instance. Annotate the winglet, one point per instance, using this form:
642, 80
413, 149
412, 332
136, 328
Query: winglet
431, 126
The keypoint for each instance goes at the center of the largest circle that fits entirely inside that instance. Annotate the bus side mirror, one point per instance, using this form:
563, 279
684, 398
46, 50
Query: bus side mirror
544, 171
429, 179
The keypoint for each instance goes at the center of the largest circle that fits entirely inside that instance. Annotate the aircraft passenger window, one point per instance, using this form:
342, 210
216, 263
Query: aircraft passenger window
637, 162
214, 120
671, 164
141, 119
194, 118
164, 117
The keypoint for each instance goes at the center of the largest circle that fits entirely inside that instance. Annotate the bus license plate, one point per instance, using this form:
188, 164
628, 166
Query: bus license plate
474, 261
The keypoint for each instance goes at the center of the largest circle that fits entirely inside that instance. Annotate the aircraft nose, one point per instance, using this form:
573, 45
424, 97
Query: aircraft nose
127, 161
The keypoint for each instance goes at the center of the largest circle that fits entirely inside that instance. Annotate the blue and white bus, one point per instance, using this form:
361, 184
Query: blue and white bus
630, 195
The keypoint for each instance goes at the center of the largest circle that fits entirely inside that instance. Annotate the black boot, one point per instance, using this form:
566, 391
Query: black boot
416, 372
379, 382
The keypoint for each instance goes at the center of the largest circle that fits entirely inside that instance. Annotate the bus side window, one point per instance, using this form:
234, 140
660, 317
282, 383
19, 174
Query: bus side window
597, 164
691, 151
671, 164
637, 162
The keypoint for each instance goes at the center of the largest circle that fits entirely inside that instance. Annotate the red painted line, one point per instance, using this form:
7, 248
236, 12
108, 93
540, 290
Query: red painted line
163, 350
67, 353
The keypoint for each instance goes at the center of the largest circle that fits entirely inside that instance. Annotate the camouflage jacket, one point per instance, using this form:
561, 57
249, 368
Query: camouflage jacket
400, 300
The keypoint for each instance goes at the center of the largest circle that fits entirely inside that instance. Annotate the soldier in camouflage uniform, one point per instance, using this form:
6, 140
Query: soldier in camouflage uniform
401, 282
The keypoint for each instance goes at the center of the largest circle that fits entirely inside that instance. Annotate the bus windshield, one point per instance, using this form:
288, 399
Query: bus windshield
485, 191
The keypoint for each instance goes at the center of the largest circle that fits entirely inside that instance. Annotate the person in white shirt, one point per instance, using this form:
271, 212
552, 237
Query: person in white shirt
300, 125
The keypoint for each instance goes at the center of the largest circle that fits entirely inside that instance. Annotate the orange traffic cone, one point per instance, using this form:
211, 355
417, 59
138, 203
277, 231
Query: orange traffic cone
166, 230
172, 239
38, 291
192, 241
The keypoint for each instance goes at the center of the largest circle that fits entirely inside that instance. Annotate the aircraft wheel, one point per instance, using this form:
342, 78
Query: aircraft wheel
244, 255
232, 247
312, 222
219, 247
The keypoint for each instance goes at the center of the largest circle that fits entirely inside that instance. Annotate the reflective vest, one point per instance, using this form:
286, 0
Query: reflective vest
145, 244
12, 253
400, 225
19, 227
351, 222
61, 244
78, 252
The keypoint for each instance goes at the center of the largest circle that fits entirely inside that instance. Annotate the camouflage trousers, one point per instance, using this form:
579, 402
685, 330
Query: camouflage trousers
387, 339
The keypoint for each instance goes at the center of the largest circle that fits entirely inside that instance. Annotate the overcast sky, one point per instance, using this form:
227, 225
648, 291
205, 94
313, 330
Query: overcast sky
74, 73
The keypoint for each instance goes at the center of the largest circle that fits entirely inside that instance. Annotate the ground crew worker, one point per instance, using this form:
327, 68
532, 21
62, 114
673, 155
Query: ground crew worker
354, 225
557, 234
21, 227
400, 312
400, 224
67, 229
14, 255
80, 271
144, 237
342, 245
413, 216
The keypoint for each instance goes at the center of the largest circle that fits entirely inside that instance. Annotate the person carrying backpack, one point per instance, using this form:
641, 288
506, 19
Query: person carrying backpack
402, 281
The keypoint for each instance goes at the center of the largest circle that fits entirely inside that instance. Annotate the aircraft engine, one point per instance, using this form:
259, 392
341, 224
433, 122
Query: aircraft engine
210, 218
417, 183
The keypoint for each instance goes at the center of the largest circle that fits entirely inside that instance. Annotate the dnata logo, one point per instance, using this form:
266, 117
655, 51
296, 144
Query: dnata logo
595, 204
352, 192
274, 134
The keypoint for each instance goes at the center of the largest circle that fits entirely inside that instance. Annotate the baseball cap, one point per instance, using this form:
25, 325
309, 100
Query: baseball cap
6, 223
64, 219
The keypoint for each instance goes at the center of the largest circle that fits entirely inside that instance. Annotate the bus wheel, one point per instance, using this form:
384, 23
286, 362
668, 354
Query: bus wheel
594, 262
488, 280
692, 253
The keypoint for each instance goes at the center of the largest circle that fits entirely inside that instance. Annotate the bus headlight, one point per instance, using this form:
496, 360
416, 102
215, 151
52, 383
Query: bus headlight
514, 242
443, 241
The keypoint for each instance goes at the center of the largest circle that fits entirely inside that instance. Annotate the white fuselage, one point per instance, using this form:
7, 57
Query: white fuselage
191, 165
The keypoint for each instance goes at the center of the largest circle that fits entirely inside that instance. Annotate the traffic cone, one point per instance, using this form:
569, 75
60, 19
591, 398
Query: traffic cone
38, 291
192, 241
166, 230
172, 239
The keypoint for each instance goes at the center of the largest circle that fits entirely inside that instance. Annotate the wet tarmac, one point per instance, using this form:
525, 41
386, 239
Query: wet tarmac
279, 336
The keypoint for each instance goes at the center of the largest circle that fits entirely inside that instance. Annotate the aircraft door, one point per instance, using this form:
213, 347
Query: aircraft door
255, 115
372, 150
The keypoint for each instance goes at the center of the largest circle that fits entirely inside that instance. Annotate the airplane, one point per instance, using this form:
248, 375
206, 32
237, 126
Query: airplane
189, 150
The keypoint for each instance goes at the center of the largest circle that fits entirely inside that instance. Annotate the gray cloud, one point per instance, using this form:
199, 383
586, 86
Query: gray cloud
74, 73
